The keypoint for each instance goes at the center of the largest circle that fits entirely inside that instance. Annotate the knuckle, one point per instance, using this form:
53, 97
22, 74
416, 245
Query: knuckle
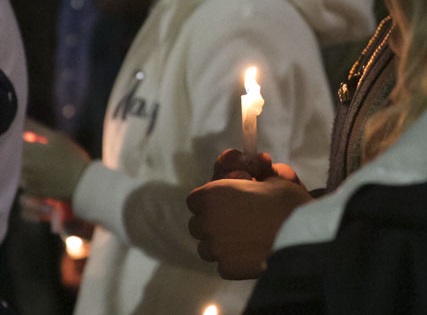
204, 251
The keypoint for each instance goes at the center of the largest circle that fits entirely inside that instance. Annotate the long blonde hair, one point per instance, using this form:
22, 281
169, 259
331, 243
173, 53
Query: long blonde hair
409, 97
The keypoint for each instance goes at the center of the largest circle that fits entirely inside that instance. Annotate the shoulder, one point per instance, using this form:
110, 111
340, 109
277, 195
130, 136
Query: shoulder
271, 28
276, 18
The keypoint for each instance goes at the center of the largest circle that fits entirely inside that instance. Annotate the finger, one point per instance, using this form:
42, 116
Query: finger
259, 166
230, 159
195, 200
206, 197
286, 172
229, 272
195, 226
203, 249
238, 175
227, 161
241, 267
219, 173
263, 166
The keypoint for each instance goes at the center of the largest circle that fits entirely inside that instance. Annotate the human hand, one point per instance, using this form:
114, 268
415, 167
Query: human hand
57, 212
234, 164
51, 164
236, 221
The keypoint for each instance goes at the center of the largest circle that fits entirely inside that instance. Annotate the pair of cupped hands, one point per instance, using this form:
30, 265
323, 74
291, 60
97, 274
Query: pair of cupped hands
235, 216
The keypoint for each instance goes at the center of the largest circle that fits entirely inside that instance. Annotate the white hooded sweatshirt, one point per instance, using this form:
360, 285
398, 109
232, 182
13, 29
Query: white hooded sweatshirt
175, 106
14, 82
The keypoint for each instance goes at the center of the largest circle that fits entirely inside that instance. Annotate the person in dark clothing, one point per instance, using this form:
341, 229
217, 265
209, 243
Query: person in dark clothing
360, 249
373, 266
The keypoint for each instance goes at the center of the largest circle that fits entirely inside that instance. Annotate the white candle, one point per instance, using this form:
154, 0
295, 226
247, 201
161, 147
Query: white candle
252, 104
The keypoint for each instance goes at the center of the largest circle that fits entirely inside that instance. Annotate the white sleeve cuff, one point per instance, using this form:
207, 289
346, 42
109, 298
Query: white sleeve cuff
100, 195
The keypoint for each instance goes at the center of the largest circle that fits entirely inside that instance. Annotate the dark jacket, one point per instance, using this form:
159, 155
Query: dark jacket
377, 262
376, 265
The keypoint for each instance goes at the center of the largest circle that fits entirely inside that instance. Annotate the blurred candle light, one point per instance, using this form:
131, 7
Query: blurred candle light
33, 137
252, 104
211, 310
76, 247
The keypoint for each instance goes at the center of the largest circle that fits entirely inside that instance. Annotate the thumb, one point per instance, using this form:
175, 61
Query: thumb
287, 172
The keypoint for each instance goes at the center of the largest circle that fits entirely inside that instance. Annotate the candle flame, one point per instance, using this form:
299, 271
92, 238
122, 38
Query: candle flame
33, 137
76, 248
250, 79
211, 310
253, 90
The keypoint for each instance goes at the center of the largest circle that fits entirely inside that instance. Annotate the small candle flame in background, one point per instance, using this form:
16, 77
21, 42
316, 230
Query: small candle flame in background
211, 310
252, 104
76, 247
33, 137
